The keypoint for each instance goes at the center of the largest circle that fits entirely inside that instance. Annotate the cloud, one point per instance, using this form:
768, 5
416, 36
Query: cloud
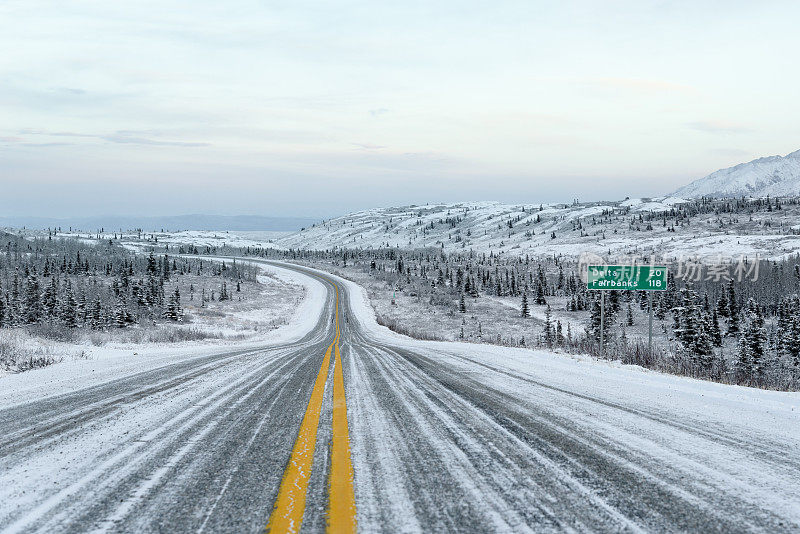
31, 131
46, 144
378, 112
368, 146
731, 152
718, 127
641, 85
120, 136
128, 139
68, 90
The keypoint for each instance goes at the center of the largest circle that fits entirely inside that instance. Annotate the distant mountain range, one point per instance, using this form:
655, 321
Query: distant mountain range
773, 176
171, 223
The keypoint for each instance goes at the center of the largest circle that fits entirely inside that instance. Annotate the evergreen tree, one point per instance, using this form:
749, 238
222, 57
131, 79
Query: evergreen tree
722, 304
549, 335
541, 286
121, 312
174, 312
474, 289
165, 268
714, 330
81, 311
525, 310
733, 311
14, 305
69, 308
462, 306
96, 314
749, 365
50, 299
593, 331
32, 311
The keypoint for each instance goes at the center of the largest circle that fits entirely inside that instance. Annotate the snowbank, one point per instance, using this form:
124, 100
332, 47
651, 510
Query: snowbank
739, 410
105, 363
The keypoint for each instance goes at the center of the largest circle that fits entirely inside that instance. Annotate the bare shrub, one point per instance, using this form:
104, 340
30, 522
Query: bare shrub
54, 332
18, 353
395, 326
166, 334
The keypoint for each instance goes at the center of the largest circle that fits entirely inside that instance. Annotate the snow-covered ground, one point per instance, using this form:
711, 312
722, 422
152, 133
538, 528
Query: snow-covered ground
606, 228
444, 436
686, 440
760, 409
288, 307
143, 241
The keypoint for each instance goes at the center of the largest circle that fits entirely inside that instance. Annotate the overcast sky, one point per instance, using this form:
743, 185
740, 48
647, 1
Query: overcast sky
319, 108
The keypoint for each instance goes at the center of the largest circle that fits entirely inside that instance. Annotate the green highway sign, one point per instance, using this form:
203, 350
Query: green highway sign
627, 277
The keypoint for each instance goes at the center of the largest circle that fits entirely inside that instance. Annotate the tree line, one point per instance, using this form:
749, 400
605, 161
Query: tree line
65, 282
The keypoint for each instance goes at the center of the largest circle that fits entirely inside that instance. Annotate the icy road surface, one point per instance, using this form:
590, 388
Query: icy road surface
352, 425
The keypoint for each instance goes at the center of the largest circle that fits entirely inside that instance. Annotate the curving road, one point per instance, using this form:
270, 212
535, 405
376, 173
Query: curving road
352, 427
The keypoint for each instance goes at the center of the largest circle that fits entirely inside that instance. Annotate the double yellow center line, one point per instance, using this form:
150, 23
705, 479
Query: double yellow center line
287, 514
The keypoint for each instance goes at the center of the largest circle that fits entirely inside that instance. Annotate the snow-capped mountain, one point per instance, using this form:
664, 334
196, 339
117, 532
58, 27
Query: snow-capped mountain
773, 176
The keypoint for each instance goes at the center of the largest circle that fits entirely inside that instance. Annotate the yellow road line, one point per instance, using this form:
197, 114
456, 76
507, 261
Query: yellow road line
341, 496
287, 514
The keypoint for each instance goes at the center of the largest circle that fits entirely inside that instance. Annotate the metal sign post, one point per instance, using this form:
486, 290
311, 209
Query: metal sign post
626, 278
650, 325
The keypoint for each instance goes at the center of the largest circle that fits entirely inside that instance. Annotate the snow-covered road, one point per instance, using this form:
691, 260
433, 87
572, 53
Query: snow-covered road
443, 437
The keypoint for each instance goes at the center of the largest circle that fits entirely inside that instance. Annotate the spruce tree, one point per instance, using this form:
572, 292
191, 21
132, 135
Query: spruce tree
174, 312
32, 310
750, 363
541, 286
121, 312
69, 308
96, 314
595, 313
525, 310
549, 335
165, 268
714, 331
733, 311
50, 299
14, 305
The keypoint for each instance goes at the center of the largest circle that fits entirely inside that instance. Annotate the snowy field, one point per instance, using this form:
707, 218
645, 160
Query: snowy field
444, 436
691, 438
488, 319
144, 241
282, 307
605, 228
608, 229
